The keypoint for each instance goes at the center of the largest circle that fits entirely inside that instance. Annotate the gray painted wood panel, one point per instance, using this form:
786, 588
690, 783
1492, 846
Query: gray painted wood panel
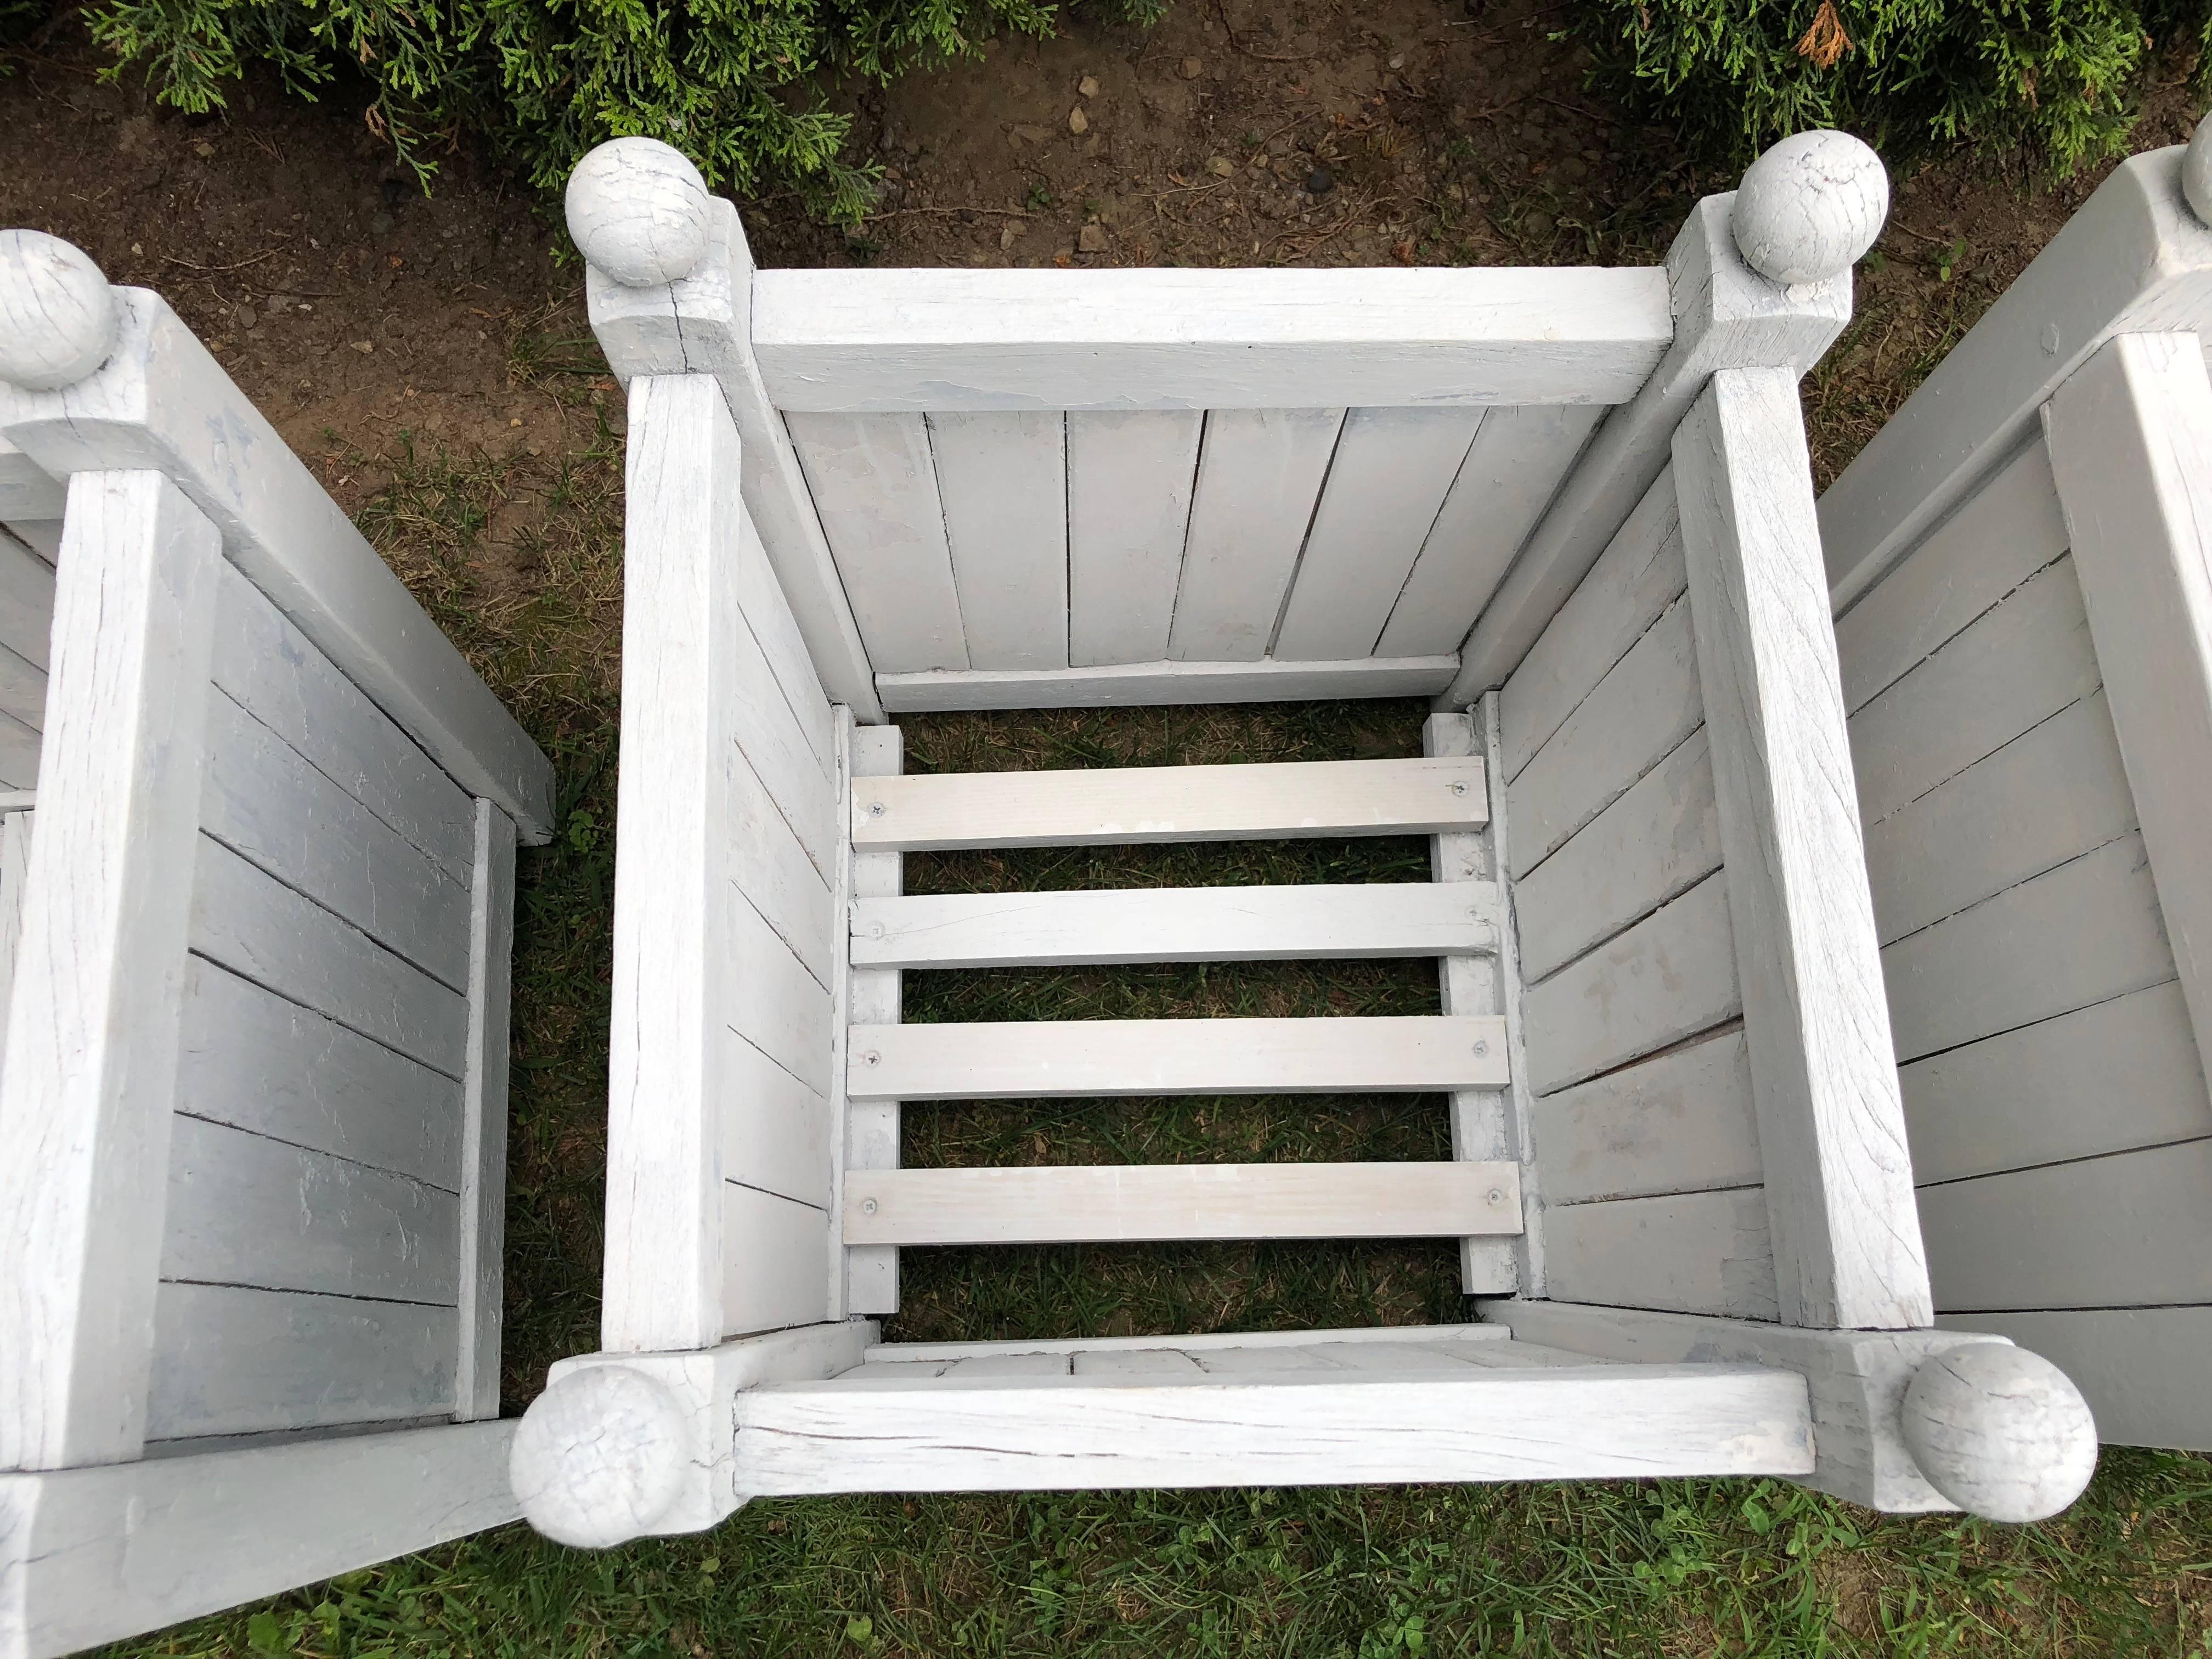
1684, 1252
263, 801
228, 1360
2083, 933
2117, 1075
2141, 1370
1659, 840
275, 673
2009, 530
1003, 479
1641, 712
1637, 577
1670, 976
254, 1061
2052, 793
246, 1210
26, 603
1260, 472
1680, 1122
2015, 666
2130, 1230
250, 923
1130, 475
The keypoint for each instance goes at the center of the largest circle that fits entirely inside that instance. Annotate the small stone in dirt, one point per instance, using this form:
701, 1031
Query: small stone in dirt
1536, 227
1192, 68
1320, 182
246, 317
380, 224
1078, 122
1087, 87
364, 347
204, 151
1221, 167
1092, 238
1009, 236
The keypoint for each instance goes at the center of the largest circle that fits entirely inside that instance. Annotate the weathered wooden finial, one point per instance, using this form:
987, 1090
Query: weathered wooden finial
2197, 171
599, 1457
2000, 1431
638, 211
57, 316
1809, 207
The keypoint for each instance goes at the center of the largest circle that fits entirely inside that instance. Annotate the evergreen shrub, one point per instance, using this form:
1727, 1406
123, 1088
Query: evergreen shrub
2058, 78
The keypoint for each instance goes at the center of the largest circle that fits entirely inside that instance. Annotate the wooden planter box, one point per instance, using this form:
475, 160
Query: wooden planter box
255, 889
1576, 506
2024, 603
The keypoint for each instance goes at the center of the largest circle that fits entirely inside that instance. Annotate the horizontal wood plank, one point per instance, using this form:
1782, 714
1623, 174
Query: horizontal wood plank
2130, 1230
1122, 806
2084, 932
249, 1059
2141, 1370
1209, 1342
1319, 1428
1670, 976
927, 339
246, 1210
1052, 1059
775, 1261
230, 1359
1163, 1201
2105, 1079
1680, 1122
1684, 1252
246, 920
1176, 924
1149, 684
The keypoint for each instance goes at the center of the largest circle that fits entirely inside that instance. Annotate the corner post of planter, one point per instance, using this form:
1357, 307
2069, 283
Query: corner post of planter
1759, 277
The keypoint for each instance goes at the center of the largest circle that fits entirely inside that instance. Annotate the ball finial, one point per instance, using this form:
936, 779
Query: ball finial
2197, 171
58, 319
1809, 207
599, 1457
2000, 1431
638, 211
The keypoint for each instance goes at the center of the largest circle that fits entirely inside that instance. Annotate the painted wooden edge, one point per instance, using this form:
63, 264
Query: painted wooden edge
1727, 316
1857, 1381
1528, 1253
1108, 1203
701, 323
1158, 339
2132, 259
1831, 1136
14, 872
840, 1009
1211, 1341
1146, 684
567, 1476
87, 1083
869, 1129
483, 1106
1149, 1429
2130, 440
664, 1268
92, 1555
161, 401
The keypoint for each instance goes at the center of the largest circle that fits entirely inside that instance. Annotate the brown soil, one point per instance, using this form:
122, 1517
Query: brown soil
354, 310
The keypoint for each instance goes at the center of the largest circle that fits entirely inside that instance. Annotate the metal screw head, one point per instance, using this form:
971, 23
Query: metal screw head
875, 808
878, 930
1497, 1195
872, 1058
1482, 1048
1459, 788
868, 1205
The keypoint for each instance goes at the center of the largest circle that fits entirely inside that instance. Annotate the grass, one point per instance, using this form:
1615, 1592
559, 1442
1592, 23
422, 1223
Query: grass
1659, 1568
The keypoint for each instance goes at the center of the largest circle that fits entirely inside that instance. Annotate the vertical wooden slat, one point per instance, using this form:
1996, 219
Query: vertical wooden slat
875, 486
2130, 439
1003, 478
1391, 471
89, 1078
663, 1248
1129, 480
1260, 472
1520, 454
14, 869
1482, 1129
1845, 1237
483, 1108
871, 1127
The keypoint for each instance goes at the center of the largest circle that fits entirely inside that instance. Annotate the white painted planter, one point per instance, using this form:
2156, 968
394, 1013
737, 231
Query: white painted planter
256, 892
1574, 505
2022, 576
